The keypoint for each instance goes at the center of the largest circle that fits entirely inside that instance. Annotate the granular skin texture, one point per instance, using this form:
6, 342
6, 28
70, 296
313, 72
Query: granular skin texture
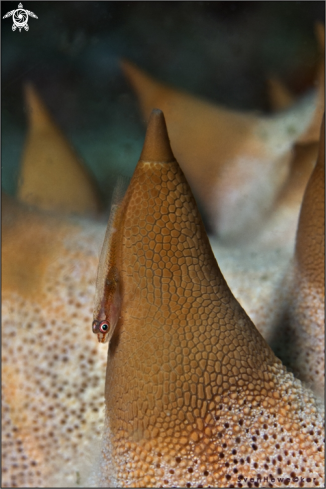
305, 317
206, 416
52, 369
194, 395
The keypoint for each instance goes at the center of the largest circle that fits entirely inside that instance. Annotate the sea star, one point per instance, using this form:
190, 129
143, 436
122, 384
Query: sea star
282, 224
194, 395
48, 277
52, 175
303, 344
52, 372
305, 313
235, 162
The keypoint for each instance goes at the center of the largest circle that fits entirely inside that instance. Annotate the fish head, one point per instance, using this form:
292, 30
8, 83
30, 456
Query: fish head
103, 330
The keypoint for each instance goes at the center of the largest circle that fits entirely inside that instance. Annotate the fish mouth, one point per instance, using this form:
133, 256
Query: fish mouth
102, 337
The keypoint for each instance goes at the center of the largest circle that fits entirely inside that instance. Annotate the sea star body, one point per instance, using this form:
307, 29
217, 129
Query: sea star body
305, 315
52, 372
235, 162
194, 395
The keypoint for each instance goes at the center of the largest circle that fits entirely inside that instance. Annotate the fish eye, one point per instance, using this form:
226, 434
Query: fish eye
104, 327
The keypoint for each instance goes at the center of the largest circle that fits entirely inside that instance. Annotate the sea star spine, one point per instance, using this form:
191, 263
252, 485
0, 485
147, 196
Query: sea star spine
307, 276
236, 162
194, 395
52, 176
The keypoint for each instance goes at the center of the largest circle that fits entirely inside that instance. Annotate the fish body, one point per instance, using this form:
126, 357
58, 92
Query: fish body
107, 316
108, 287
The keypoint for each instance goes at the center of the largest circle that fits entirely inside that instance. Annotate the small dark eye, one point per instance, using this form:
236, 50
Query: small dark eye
104, 327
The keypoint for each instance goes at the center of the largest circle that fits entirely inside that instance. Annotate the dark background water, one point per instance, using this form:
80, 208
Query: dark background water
223, 51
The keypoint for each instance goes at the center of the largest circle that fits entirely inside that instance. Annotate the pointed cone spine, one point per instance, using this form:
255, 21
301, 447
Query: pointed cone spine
310, 244
52, 176
38, 114
157, 145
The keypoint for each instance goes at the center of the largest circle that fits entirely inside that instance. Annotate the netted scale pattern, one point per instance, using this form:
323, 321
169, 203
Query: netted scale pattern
201, 399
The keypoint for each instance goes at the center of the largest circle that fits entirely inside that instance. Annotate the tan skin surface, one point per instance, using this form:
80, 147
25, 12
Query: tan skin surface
306, 318
311, 230
281, 227
236, 162
52, 409
52, 371
52, 176
304, 154
302, 165
194, 395
24, 261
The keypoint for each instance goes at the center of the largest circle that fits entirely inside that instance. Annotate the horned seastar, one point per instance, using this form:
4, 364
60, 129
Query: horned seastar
194, 395
305, 313
48, 277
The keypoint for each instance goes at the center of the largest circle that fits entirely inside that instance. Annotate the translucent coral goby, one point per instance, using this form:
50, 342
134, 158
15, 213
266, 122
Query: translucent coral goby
194, 395
52, 176
235, 162
108, 295
307, 277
